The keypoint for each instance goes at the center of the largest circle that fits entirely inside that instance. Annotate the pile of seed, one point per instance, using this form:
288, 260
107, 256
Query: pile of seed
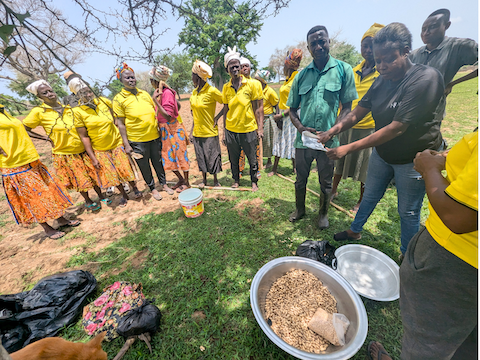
292, 302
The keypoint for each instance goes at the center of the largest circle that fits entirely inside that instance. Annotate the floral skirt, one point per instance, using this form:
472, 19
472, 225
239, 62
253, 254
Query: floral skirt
72, 171
174, 146
33, 194
283, 140
115, 168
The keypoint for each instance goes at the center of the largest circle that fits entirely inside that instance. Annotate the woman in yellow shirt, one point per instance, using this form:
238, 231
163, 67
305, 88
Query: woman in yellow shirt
69, 157
95, 124
204, 133
270, 106
355, 165
285, 132
32, 193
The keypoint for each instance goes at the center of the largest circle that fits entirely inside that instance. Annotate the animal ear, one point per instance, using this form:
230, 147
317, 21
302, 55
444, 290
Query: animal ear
97, 340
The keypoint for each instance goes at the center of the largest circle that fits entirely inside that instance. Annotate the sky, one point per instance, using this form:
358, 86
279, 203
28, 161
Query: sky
351, 17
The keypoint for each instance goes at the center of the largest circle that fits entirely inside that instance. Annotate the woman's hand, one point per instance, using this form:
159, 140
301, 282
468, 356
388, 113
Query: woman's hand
277, 117
260, 133
96, 164
157, 95
429, 160
2, 152
323, 136
338, 152
190, 138
309, 129
224, 140
128, 149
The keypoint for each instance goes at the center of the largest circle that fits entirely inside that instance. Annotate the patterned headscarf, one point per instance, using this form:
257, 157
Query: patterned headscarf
160, 73
202, 69
122, 68
293, 59
232, 54
373, 30
76, 84
33, 87
262, 75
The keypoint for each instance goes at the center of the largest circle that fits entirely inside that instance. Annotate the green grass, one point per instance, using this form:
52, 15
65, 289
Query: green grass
207, 264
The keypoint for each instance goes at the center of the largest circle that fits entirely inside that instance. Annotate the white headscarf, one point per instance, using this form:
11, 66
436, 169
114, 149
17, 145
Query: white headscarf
232, 54
76, 84
33, 87
245, 61
202, 69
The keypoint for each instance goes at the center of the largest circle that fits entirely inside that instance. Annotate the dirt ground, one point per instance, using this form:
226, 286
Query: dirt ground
27, 255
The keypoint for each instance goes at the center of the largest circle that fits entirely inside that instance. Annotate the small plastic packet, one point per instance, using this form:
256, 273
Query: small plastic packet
311, 141
332, 327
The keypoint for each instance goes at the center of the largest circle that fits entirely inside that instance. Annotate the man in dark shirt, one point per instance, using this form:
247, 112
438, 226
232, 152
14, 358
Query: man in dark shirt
446, 54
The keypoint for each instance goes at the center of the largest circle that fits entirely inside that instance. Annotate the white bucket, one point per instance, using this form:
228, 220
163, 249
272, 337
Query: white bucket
192, 202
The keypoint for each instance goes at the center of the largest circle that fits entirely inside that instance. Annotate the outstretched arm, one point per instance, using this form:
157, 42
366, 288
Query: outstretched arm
450, 85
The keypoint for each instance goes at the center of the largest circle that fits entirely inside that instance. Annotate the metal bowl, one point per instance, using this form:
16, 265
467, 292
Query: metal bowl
348, 303
371, 273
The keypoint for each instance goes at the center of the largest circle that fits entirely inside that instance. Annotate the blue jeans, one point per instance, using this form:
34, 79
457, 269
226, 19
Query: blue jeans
410, 193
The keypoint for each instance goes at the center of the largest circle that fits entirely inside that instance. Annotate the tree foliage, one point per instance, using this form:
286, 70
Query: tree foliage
181, 64
21, 82
218, 24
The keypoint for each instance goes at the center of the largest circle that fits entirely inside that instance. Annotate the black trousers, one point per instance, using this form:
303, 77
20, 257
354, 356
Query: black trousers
235, 143
152, 153
303, 163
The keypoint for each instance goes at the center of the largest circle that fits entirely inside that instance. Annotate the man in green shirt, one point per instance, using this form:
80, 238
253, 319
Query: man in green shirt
318, 90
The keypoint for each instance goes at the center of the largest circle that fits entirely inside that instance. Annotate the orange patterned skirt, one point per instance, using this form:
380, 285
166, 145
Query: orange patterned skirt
33, 194
72, 171
115, 168
174, 146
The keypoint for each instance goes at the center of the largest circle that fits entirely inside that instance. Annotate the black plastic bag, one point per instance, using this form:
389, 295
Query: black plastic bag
54, 302
143, 319
318, 250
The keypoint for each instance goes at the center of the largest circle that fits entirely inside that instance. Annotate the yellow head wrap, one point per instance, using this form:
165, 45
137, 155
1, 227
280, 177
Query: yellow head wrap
373, 30
202, 69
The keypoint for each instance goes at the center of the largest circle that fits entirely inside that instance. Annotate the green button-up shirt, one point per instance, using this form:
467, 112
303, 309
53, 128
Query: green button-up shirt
319, 94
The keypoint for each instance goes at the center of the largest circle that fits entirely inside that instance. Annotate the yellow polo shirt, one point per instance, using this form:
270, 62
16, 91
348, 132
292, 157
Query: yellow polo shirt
59, 128
462, 174
240, 116
270, 99
16, 143
203, 103
139, 113
285, 90
362, 86
101, 129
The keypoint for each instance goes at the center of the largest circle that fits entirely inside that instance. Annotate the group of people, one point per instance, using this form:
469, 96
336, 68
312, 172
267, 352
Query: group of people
378, 122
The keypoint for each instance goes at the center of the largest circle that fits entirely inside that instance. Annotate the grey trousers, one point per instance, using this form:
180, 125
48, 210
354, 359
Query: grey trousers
438, 303
303, 163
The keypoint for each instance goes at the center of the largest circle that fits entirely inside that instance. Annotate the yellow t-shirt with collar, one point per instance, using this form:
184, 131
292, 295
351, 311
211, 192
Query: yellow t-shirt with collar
203, 103
270, 99
58, 127
240, 116
15, 142
139, 113
101, 129
362, 86
462, 174
285, 90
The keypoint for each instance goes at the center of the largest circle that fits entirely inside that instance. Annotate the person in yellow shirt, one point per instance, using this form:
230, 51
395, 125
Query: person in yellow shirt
285, 132
239, 119
34, 196
204, 133
270, 106
135, 113
355, 165
70, 160
439, 274
94, 121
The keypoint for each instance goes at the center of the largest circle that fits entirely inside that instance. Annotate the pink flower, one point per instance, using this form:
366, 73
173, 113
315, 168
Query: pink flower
102, 323
91, 328
101, 300
115, 286
127, 291
125, 307
101, 314
109, 304
88, 316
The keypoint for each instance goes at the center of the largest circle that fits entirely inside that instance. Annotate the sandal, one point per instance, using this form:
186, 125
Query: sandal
71, 223
181, 188
137, 194
123, 202
57, 235
169, 191
106, 201
93, 207
156, 195
343, 236
381, 351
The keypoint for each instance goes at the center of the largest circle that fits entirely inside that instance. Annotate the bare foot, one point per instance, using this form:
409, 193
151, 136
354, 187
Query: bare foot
377, 351
156, 195
254, 187
62, 222
355, 208
168, 190
271, 173
236, 185
54, 234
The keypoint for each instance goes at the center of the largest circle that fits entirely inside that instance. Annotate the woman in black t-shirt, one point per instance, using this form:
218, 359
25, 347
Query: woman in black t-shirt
402, 100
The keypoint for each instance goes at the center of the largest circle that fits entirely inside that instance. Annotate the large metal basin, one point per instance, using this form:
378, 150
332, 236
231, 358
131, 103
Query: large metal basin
348, 303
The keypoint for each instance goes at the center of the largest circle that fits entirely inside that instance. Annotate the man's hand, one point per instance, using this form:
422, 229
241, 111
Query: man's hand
337, 153
128, 149
323, 136
429, 160
260, 134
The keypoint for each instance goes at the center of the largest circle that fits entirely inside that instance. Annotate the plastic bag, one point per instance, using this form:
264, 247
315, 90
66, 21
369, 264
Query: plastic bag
332, 327
53, 303
318, 250
143, 319
310, 140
